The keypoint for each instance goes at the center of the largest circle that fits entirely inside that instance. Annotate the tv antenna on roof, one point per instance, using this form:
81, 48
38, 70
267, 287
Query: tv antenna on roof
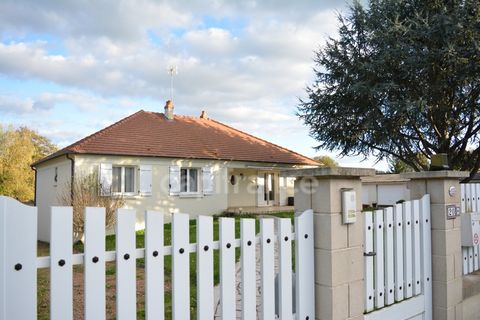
172, 71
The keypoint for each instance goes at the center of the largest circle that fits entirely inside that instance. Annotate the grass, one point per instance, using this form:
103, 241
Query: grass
43, 274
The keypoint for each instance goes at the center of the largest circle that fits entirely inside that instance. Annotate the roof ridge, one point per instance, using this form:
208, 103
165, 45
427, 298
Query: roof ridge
257, 138
102, 131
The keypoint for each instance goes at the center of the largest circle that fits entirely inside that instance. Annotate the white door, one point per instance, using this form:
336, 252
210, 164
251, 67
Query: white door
261, 199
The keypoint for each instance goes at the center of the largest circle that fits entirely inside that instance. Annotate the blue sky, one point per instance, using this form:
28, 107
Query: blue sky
70, 68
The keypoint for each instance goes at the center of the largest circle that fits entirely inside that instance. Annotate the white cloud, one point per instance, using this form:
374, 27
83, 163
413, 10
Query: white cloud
245, 62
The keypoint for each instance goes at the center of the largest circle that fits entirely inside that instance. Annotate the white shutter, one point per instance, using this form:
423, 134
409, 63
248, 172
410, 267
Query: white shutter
146, 180
174, 180
207, 180
105, 177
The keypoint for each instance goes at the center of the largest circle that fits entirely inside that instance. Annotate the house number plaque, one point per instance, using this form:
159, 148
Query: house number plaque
452, 211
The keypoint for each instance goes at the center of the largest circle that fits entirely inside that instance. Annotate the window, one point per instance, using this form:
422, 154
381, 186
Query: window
123, 180
189, 180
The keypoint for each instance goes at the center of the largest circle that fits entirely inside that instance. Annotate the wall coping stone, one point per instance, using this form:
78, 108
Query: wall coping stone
442, 174
337, 172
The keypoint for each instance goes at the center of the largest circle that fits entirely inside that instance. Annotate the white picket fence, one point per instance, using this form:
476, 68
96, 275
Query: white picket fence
19, 264
470, 202
398, 261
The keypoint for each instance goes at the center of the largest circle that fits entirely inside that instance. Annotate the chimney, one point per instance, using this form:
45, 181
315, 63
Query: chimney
169, 110
204, 115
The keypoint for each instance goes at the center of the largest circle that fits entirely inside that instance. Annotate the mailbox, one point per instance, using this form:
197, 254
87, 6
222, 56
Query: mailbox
349, 206
470, 229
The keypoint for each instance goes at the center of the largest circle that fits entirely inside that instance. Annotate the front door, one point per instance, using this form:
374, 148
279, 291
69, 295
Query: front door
265, 189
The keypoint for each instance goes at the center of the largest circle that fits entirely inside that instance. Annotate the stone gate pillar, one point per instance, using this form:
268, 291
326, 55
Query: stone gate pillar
339, 262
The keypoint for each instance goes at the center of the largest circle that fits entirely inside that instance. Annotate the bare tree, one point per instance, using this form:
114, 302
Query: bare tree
85, 192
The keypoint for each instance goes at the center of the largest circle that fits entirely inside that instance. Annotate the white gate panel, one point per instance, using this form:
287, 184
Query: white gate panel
407, 247
180, 267
205, 267
154, 265
249, 283
227, 268
267, 244
285, 262
379, 258
389, 257
61, 286
18, 265
398, 251
369, 265
304, 251
94, 261
126, 265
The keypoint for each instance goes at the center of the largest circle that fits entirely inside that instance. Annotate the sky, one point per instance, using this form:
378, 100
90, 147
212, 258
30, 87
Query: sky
70, 68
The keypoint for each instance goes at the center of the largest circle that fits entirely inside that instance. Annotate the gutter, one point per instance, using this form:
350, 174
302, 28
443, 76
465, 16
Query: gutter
72, 177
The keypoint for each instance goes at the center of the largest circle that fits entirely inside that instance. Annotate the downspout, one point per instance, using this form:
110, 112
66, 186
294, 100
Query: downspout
72, 172
34, 187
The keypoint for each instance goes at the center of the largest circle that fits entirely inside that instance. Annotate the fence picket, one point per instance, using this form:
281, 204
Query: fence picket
154, 264
473, 195
407, 247
398, 251
477, 188
267, 245
417, 279
468, 199
227, 268
285, 273
61, 286
465, 259
18, 254
378, 261
126, 264
205, 267
180, 267
475, 258
470, 259
426, 236
389, 257
94, 280
369, 265
248, 263
304, 258
463, 206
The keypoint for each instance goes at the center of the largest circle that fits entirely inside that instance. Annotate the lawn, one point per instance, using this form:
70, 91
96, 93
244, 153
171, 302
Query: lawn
43, 274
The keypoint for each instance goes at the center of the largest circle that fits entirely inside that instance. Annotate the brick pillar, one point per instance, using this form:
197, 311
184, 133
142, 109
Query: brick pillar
444, 189
339, 262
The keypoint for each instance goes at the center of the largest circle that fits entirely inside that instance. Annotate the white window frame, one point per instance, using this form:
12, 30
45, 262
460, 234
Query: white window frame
122, 182
188, 192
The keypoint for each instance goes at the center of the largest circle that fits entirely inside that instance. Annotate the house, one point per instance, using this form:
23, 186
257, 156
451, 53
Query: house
171, 163
384, 189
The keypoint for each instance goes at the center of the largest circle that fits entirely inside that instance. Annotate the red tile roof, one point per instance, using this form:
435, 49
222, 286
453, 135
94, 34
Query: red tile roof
151, 134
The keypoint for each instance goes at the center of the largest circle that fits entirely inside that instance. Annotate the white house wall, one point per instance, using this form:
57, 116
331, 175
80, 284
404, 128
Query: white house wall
244, 192
48, 192
160, 199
